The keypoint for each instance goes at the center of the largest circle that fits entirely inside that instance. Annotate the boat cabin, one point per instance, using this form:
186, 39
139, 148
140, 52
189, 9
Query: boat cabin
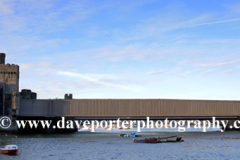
10, 147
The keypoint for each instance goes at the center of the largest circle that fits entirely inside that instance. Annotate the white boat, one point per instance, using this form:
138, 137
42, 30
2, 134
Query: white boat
84, 129
169, 139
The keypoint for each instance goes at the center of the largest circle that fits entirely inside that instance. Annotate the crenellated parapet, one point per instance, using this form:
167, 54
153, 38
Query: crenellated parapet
28, 94
9, 69
68, 96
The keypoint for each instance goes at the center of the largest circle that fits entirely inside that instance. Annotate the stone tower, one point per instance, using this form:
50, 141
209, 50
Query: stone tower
9, 83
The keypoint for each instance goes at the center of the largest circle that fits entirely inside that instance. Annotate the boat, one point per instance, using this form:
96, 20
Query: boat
84, 129
145, 140
169, 139
131, 135
9, 149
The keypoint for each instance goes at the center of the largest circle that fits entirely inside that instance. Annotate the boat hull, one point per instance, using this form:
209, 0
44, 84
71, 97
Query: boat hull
12, 152
146, 140
169, 139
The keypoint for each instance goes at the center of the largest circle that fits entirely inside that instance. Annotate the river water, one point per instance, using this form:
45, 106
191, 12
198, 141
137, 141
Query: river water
209, 145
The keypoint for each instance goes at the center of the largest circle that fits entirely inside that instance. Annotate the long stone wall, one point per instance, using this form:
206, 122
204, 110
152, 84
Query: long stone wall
129, 108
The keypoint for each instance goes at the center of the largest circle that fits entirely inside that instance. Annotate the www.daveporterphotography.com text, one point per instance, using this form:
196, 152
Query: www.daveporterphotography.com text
180, 125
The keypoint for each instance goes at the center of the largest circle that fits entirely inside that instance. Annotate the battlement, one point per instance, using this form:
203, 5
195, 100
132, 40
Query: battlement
11, 65
68, 96
28, 94
9, 69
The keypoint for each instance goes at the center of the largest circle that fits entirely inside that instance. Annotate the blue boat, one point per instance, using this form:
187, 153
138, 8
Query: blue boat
131, 135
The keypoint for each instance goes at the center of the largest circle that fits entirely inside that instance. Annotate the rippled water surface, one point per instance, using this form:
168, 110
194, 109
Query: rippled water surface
210, 145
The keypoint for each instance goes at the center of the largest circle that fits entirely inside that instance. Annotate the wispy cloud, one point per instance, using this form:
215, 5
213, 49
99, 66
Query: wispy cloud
207, 72
226, 59
5, 7
71, 74
41, 16
215, 22
165, 42
220, 41
229, 72
163, 23
184, 72
114, 53
216, 64
155, 72
167, 71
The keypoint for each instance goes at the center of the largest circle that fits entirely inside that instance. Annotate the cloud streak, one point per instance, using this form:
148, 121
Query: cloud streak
71, 74
216, 22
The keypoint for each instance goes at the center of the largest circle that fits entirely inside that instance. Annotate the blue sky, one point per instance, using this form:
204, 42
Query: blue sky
124, 49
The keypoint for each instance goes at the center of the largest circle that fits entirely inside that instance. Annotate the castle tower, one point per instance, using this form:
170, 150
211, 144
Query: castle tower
2, 58
9, 74
9, 82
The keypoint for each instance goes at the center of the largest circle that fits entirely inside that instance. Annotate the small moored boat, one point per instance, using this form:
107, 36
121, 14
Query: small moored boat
9, 149
146, 140
84, 129
169, 139
131, 135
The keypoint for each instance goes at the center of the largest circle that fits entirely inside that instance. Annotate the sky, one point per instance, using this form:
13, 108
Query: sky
152, 49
